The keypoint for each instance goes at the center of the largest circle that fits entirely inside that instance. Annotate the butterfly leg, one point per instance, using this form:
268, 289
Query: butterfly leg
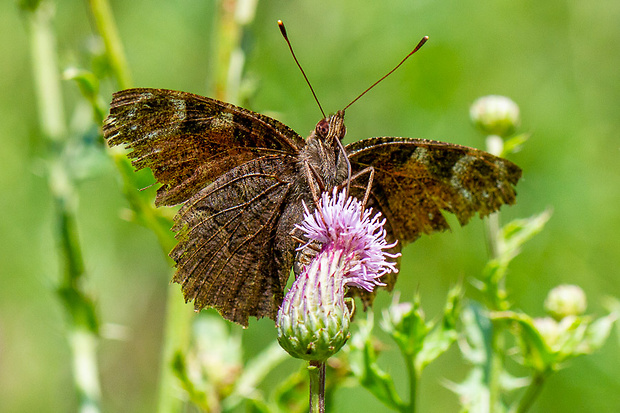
343, 151
316, 184
371, 176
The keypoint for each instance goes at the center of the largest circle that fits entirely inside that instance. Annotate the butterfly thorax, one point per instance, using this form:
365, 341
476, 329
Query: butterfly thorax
322, 155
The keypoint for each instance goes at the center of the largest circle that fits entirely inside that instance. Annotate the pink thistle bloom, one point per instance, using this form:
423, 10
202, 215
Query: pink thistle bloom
313, 321
339, 223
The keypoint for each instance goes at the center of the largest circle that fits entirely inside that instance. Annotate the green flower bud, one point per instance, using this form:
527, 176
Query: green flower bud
549, 329
313, 321
495, 115
565, 300
557, 335
398, 314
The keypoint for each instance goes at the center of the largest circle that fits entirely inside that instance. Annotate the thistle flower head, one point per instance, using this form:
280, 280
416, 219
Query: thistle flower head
495, 115
340, 224
313, 321
566, 300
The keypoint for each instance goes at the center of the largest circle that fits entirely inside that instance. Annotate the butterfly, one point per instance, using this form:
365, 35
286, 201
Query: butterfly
241, 178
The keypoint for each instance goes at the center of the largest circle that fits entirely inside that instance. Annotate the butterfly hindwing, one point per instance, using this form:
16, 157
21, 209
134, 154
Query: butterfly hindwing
233, 253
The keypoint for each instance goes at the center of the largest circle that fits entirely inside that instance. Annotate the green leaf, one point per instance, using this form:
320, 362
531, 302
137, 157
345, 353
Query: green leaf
180, 370
254, 373
439, 340
29, 5
473, 392
259, 406
88, 84
536, 353
80, 308
512, 236
86, 81
597, 333
514, 144
291, 394
518, 232
364, 365
478, 330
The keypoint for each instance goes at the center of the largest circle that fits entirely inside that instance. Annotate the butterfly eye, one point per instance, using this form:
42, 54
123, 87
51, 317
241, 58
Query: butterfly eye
322, 128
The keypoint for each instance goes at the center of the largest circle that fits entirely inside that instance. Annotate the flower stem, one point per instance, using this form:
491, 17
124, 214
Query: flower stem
178, 319
83, 324
496, 297
532, 392
102, 14
316, 369
413, 385
495, 368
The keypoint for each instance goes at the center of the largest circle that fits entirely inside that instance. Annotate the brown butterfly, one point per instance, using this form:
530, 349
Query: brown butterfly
242, 176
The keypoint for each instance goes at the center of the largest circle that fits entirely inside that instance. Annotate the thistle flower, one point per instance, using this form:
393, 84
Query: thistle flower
495, 115
313, 321
565, 300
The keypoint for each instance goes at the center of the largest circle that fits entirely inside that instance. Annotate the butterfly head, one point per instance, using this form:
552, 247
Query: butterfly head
330, 128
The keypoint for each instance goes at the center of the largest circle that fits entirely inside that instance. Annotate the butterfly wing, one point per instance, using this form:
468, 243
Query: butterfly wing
416, 179
235, 171
235, 249
189, 140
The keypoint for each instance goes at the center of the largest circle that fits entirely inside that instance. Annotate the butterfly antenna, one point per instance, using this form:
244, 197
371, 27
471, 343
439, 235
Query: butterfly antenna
283, 31
420, 44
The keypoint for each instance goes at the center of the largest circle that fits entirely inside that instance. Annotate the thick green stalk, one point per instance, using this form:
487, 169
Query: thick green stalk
496, 299
82, 331
414, 374
316, 370
102, 14
178, 319
532, 392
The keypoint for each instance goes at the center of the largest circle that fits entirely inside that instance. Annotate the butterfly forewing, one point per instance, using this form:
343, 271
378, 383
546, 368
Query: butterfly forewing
189, 140
416, 179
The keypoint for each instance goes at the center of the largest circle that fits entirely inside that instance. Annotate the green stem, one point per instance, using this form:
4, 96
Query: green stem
532, 392
145, 212
316, 369
176, 337
496, 294
102, 14
178, 319
496, 298
82, 332
229, 55
84, 352
495, 367
413, 386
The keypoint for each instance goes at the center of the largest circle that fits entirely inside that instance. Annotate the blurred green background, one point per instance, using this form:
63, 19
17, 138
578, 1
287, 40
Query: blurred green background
558, 60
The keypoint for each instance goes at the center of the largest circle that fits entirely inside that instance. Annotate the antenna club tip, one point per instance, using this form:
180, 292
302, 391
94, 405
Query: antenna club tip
282, 29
